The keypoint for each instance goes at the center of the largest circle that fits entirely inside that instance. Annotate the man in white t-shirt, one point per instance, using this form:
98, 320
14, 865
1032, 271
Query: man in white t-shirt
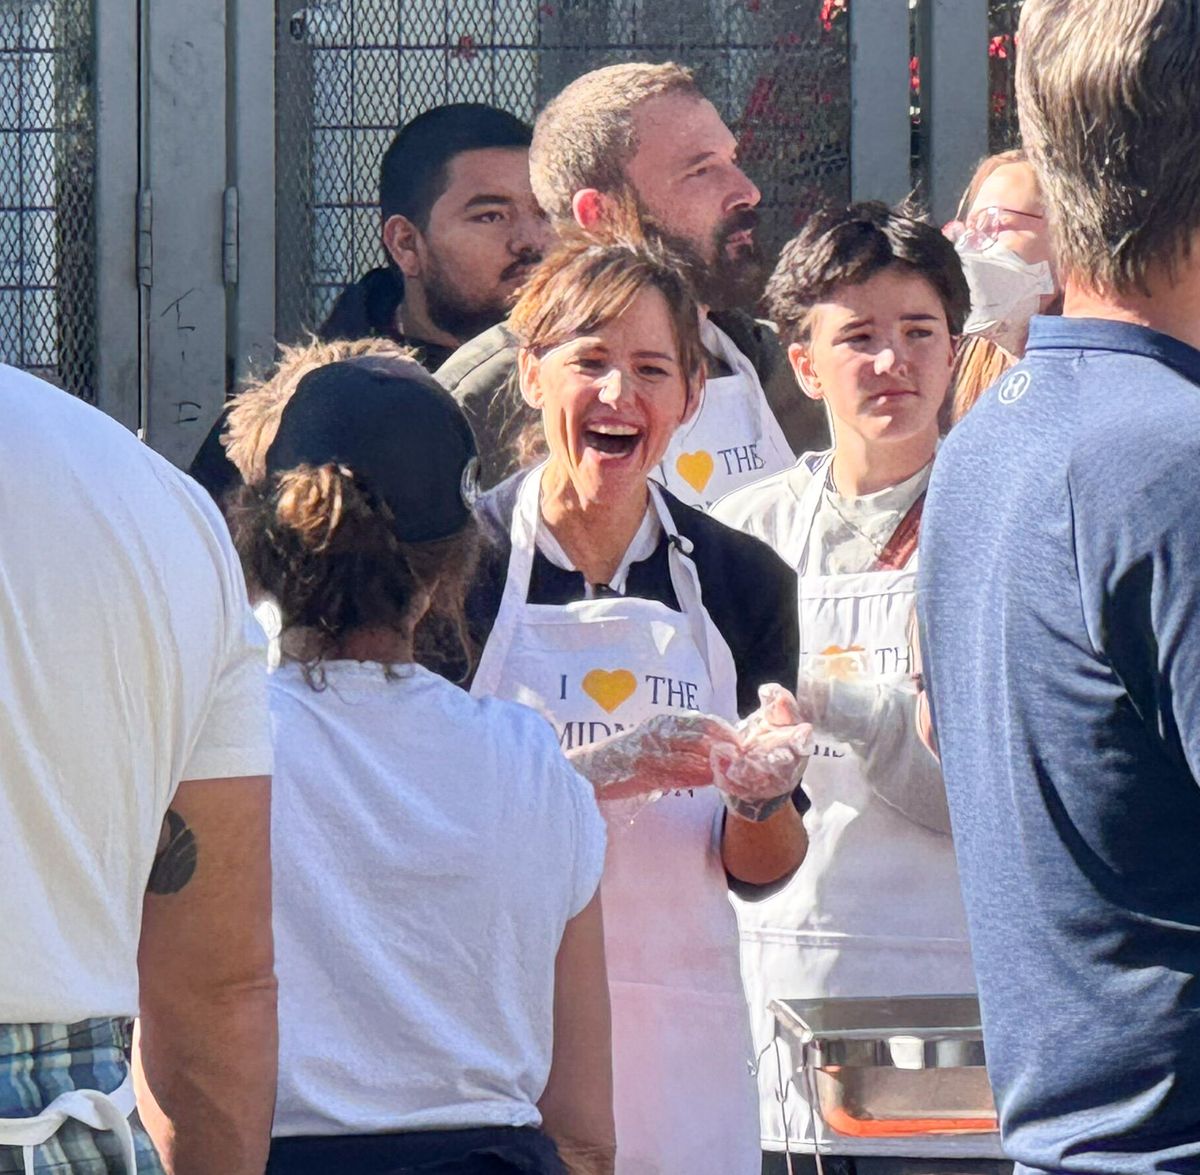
134, 809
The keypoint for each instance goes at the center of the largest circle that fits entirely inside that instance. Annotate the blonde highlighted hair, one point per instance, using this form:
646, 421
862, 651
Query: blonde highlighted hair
978, 364
1108, 96
985, 168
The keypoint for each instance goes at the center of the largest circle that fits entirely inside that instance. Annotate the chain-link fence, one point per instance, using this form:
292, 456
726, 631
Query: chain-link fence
349, 72
47, 184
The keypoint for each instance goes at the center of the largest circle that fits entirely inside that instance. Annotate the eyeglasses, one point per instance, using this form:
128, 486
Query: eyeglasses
984, 226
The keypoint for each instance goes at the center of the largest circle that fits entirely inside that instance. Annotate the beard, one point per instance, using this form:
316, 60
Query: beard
464, 315
733, 276
464, 318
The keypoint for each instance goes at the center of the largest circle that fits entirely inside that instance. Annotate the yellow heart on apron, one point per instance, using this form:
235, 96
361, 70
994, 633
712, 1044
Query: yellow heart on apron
695, 468
609, 690
843, 664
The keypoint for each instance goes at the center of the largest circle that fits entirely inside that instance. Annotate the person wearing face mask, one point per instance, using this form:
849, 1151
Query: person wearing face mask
869, 301
1003, 240
617, 610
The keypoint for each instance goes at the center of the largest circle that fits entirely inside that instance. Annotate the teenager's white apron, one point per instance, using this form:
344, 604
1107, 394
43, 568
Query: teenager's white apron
684, 1094
875, 909
734, 438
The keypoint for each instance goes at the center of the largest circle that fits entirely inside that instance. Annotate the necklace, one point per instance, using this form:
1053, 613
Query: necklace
830, 497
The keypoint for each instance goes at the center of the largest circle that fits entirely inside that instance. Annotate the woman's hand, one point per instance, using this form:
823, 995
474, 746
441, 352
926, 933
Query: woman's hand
774, 743
754, 763
669, 752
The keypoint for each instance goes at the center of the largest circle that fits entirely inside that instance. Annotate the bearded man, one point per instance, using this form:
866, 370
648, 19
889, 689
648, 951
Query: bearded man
639, 147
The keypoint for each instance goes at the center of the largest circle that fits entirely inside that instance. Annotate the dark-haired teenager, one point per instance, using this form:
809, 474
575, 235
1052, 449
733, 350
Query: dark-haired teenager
442, 998
869, 301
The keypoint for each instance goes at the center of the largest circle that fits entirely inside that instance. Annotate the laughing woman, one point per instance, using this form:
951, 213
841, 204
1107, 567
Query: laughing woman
612, 604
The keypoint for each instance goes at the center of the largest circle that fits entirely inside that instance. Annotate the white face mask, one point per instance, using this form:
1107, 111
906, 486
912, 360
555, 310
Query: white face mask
1006, 291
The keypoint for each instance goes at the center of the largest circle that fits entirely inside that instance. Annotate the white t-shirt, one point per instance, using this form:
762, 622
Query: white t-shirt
429, 849
129, 661
848, 533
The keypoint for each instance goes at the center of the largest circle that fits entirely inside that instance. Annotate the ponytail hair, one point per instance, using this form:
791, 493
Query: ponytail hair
318, 541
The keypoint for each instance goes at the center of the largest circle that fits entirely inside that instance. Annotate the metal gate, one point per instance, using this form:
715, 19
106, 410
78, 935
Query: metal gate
1003, 131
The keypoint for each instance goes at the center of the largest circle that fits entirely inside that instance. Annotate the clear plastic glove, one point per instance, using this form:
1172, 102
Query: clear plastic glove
830, 690
757, 776
669, 752
876, 716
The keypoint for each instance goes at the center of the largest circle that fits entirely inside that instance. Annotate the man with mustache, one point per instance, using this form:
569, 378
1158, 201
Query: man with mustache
639, 148
460, 227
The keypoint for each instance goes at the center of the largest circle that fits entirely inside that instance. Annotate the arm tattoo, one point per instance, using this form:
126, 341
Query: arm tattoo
175, 861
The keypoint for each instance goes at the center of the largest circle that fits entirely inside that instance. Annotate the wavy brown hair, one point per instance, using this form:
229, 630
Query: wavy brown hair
848, 246
978, 364
590, 280
324, 546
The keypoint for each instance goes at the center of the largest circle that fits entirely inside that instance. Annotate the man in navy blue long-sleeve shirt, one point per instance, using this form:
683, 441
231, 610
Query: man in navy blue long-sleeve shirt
1060, 608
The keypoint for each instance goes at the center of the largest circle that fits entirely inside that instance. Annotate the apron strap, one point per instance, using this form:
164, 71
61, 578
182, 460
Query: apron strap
903, 543
522, 533
685, 578
100, 1111
719, 344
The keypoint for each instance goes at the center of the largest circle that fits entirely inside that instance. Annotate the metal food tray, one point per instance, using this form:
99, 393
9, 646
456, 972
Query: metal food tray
886, 1068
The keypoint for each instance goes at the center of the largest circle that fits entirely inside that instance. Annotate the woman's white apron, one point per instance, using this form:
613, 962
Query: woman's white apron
875, 909
684, 1094
734, 438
